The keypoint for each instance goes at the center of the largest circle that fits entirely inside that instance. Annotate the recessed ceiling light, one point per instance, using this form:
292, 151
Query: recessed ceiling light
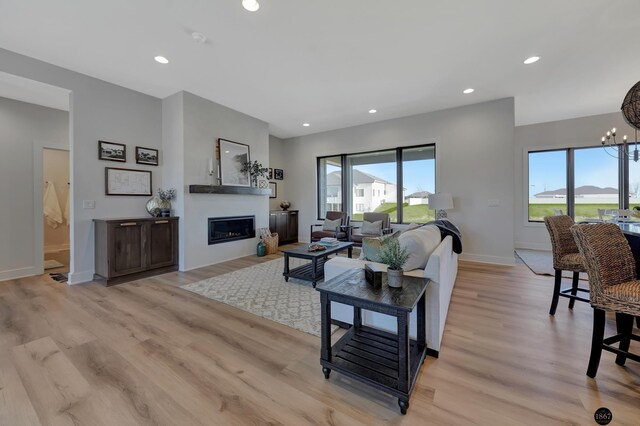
373, 111
467, 91
199, 37
531, 60
161, 60
306, 124
251, 5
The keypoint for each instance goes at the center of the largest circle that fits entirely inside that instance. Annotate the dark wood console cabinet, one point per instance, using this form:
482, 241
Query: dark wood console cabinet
285, 223
128, 249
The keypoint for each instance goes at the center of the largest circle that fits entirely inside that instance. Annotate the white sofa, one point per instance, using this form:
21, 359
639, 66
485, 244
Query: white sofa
441, 269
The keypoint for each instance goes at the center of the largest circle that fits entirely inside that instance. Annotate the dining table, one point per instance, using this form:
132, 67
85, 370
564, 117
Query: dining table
631, 231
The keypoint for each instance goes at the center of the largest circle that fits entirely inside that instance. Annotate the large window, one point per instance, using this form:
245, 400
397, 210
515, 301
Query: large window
395, 181
547, 183
330, 183
596, 183
581, 182
368, 174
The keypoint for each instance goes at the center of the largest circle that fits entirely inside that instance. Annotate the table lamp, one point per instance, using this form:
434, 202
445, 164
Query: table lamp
440, 202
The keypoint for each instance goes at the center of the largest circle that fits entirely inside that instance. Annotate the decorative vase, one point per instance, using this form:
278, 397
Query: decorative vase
153, 206
261, 249
285, 205
394, 278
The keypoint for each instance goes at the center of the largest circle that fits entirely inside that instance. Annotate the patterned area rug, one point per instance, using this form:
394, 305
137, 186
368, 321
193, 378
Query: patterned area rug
262, 290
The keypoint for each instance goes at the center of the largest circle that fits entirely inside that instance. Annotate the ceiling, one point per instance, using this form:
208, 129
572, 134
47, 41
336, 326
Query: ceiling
328, 62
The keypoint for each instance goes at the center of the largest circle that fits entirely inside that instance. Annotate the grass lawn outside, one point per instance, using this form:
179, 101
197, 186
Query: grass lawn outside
419, 213
537, 212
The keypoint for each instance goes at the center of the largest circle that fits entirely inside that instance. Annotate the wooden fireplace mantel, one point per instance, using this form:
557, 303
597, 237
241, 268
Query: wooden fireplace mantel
226, 189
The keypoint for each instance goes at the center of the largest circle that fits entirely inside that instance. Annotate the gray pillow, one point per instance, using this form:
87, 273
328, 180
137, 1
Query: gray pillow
372, 228
331, 225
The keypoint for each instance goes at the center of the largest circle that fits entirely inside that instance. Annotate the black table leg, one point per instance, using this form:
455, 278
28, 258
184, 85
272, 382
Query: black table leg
350, 251
403, 359
325, 332
286, 267
421, 324
357, 317
314, 271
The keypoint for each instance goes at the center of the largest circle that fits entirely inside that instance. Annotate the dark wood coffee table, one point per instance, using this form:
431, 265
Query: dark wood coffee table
313, 271
389, 362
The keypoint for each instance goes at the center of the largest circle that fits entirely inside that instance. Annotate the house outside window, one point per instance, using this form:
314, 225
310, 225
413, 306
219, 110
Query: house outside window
369, 182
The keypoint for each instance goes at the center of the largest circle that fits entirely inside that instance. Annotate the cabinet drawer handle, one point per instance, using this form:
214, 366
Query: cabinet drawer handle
293, 213
272, 214
128, 224
162, 221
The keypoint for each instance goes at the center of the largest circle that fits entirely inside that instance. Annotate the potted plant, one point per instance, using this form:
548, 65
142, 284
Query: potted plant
394, 256
165, 196
256, 171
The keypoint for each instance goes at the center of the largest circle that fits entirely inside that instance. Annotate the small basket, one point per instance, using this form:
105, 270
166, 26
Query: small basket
271, 243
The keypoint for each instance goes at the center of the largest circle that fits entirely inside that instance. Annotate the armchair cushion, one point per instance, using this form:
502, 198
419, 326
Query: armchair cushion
331, 225
372, 228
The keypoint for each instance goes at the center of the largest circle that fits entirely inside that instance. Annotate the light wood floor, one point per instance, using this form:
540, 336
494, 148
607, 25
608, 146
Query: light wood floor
148, 352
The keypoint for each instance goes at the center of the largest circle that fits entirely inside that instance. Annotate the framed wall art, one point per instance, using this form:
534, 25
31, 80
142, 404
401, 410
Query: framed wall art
127, 181
274, 190
146, 156
232, 155
278, 174
112, 151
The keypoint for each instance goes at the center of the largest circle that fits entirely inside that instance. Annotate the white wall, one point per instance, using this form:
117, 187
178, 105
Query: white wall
576, 132
55, 169
203, 122
99, 111
277, 160
474, 162
22, 126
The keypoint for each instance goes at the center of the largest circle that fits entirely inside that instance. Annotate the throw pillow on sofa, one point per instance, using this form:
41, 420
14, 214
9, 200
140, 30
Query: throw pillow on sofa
372, 228
371, 247
420, 243
331, 225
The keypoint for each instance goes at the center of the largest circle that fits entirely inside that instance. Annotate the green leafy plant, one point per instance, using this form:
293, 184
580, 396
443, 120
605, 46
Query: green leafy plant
392, 254
255, 169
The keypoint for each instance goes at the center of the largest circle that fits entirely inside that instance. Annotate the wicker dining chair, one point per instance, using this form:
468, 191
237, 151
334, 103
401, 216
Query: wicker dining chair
566, 257
614, 288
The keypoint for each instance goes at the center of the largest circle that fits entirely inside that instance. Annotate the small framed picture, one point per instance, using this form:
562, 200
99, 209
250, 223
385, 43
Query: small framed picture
274, 190
278, 174
112, 151
146, 156
270, 173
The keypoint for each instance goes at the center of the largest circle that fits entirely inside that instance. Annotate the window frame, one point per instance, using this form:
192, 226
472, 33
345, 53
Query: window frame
623, 179
399, 178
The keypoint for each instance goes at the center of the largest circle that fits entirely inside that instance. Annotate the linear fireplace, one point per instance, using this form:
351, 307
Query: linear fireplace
223, 229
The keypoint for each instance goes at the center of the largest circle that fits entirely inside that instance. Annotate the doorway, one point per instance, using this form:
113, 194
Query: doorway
56, 210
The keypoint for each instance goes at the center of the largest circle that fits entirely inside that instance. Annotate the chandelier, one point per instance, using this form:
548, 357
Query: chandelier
631, 112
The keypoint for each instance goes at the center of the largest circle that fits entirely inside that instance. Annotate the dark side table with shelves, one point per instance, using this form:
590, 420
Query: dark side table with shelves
389, 362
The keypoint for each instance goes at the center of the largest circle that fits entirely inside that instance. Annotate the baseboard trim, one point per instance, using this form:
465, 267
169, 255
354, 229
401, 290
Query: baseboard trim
57, 248
533, 246
493, 260
13, 274
79, 277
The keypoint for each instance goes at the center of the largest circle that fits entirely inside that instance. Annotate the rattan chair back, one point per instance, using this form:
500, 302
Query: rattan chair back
562, 242
607, 255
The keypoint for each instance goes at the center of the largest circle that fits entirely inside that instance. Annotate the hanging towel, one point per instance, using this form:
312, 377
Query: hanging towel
51, 206
67, 209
